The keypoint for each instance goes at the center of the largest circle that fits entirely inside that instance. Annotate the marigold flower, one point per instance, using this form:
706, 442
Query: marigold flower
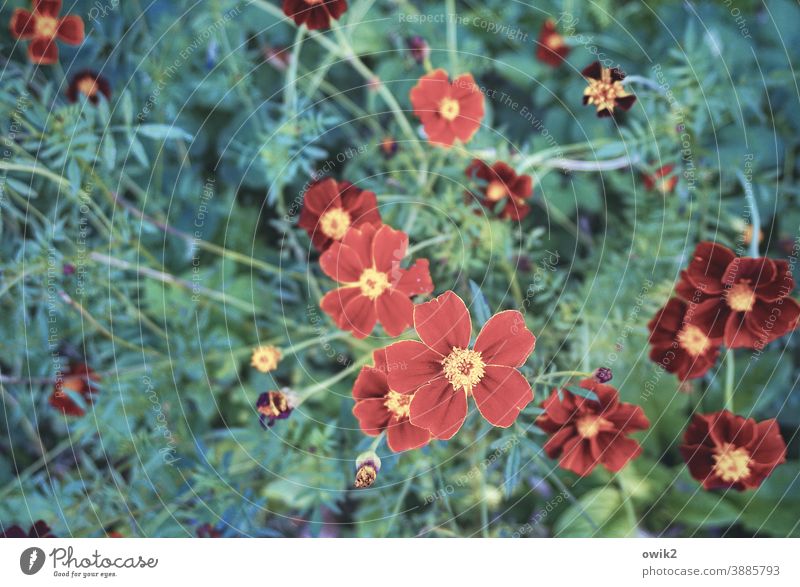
662, 179
315, 14
266, 358
331, 208
585, 432
502, 185
745, 300
681, 342
379, 408
42, 27
77, 380
442, 371
448, 111
726, 451
374, 286
272, 406
89, 84
368, 465
605, 90
552, 49
39, 530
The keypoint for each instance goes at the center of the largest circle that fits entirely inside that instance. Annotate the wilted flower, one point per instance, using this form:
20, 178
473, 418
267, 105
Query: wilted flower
502, 188
266, 358
272, 406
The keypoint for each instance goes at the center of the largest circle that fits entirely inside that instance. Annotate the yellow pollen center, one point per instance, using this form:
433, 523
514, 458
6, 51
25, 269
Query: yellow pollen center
87, 86
731, 464
463, 368
603, 92
554, 41
45, 26
373, 283
265, 358
496, 191
741, 297
449, 109
397, 404
591, 425
335, 223
693, 340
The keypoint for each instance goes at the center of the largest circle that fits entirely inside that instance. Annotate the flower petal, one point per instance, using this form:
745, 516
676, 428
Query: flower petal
501, 395
443, 323
395, 312
416, 280
48, 7
439, 408
22, 24
388, 249
370, 383
70, 30
342, 263
43, 51
505, 340
402, 436
411, 365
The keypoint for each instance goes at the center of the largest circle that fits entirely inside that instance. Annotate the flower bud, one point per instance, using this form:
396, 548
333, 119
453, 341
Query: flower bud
368, 464
419, 49
603, 375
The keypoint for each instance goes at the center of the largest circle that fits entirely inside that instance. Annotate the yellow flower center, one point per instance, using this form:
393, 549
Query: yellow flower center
373, 283
87, 86
496, 190
335, 223
693, 340
591, 425
397, 404
449, 109
741, 297
731, 464
265, 358
603, 92
554, 41
463, 368
45, 26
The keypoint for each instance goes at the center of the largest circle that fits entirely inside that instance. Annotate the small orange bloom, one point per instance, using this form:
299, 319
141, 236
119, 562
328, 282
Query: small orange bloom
265, 358
552, 49
42, 27
605, 90
448, 111
662, 179
79, 380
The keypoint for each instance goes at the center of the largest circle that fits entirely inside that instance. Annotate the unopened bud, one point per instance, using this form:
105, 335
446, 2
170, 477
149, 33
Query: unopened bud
603, 375
368, 464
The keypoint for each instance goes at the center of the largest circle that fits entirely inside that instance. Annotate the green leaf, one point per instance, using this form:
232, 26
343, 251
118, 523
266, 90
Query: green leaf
163, 132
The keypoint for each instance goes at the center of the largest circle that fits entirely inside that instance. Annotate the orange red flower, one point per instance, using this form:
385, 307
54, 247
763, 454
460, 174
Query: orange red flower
726, 451
331, 208
552, 49
42, 27
681, 341
315, 14
265, 358
375, 288
379, 407
605, 90
78, 381
502, 189
587, 432
745, 301
89, 84
448, 111
662, 179
442, 371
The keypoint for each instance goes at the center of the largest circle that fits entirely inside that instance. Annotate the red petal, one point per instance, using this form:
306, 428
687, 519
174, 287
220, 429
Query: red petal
342, 263
577, 457
619, 453
395, 312
505, 340
334, 302
70, 30
359, 317
372, 415
22, 24
416, 280
439, 408
501, 395
411, 364
443, 323
708, 266
48, 7
370, 383
388, 249
43, 51
401, 436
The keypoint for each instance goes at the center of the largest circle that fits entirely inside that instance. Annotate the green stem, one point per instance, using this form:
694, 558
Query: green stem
560, 484
730, 375
452, 36
755, 216
627, 502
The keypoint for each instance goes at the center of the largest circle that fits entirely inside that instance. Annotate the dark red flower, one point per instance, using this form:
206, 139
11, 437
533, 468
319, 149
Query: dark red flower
442, 371
681, 342
374, 286
379, 408
89, 84
552, 49
662, 179
587, 432
39, 530
502, 188
79, 381
315, 14
331, 208
746, 300
448, 111
208, 531
272, 406
726, 451
605, 90
42, 27
419, 49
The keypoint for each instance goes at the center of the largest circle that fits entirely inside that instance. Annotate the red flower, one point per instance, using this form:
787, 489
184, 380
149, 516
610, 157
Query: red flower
552, 49
315, 14
448, 111
726, 451
331, 208
586, 432
379, 408
39, 530
442, 371
42, 27
605, 90
662, 179
681, 343
745, 299
89, 84
502, 184
78, 380
375, 287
